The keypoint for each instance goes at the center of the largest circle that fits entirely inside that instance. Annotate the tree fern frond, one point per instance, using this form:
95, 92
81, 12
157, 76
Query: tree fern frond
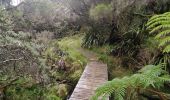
161, 25
160, 16
156, 23
146, 68
157, 16
152, 71
149, 76
162, 34
164, 41
157, 19
134, 80
119, 93
165, 78
167, 49
167, 13
111, 87
157, 28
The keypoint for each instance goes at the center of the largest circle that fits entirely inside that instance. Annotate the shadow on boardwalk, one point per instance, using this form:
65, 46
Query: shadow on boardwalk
94, 75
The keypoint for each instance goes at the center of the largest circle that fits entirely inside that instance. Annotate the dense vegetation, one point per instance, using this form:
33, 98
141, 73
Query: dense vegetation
41, 45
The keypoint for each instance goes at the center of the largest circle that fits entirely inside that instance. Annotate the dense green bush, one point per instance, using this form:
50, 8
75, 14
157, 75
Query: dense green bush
96, 35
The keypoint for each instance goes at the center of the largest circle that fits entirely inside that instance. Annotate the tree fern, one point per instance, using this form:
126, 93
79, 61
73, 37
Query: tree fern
160, 24
149, 76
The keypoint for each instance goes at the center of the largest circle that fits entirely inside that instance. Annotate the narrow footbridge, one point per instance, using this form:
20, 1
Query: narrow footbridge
94, 75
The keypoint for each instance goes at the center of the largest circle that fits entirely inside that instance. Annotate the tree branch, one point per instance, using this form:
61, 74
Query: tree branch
11, 60
158, 95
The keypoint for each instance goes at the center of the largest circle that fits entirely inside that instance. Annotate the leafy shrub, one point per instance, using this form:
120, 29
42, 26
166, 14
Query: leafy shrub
96, 35
128, 44
19, 61
91, 39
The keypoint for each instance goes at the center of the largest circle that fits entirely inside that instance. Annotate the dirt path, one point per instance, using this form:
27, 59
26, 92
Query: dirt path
91, 56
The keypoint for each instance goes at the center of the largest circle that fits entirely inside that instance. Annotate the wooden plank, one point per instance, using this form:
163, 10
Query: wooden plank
94, 75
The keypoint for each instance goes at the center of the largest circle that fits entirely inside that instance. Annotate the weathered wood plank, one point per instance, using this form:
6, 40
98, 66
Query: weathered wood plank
94, 75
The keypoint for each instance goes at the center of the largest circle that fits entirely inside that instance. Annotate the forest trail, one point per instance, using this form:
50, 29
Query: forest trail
94, 75
90, 55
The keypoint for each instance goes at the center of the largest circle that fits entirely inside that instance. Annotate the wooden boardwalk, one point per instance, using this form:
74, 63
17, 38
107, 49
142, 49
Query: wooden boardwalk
94, 75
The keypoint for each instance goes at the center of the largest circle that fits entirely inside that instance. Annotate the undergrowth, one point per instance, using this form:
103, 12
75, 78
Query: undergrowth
115, 68
72, 46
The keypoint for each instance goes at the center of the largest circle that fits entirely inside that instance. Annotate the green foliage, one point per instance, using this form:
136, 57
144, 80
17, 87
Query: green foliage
103, 52
101, 11
51, 93
160, 24
96, 35
128, 44
52, 97
19, 61
99, 28
91, 39
149, 76
23, 88
75, 59
72, 46
5, 20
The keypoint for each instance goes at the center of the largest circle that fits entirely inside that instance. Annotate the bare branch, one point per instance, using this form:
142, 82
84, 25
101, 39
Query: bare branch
11, 60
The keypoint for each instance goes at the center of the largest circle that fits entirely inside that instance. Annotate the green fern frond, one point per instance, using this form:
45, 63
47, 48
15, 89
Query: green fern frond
162, 34
111, 87
149, 76
165, 78
160, 24
146, 68
157, 28
119, 93
164, 41
167, 49
155, 18
156, 23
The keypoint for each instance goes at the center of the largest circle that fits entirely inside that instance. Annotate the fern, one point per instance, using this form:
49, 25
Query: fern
149, 76
160, 24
